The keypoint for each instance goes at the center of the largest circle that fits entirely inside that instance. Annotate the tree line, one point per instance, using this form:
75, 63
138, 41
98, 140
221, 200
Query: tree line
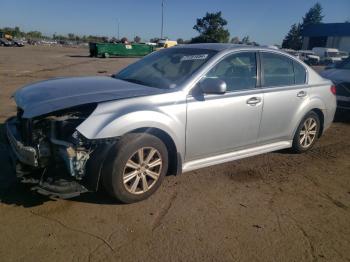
211, 28
16, 32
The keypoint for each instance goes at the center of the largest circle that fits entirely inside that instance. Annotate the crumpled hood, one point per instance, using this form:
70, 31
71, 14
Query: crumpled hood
51, 95
336, 75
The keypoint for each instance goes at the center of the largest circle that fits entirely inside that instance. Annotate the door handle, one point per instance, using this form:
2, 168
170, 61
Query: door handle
301, 94
253, 101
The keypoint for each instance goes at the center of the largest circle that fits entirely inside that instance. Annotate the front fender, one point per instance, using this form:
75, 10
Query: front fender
141, 119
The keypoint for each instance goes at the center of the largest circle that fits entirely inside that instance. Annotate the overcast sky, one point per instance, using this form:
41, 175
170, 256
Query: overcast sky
266, 22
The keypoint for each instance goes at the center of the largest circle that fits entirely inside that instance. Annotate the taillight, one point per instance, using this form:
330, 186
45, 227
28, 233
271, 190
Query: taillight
333, 89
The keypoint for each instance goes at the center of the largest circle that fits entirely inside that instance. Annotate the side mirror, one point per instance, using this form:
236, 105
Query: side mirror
213, 86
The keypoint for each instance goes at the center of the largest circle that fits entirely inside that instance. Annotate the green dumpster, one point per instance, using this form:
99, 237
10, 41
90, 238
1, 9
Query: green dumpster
126, 50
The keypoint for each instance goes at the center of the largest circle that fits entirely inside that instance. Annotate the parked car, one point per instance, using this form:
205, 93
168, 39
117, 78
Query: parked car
343, 55
340, 75
327, 55
18, 43
176, 110
165, 43
309, 57
5, 42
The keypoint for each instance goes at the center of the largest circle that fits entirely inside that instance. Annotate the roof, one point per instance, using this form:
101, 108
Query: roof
217, 46
331, 29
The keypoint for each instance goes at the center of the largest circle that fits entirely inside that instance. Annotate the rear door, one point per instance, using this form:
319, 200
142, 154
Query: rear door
284, 87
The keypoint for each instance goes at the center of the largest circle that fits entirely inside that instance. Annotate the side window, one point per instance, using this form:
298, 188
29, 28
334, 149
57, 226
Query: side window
300, 73
238, 71
277, 70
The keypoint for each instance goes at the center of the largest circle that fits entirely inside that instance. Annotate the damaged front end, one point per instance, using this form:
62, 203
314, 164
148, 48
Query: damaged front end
50, 153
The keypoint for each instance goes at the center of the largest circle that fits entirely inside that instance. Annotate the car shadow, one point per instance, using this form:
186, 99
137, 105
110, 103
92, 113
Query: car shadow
99, 197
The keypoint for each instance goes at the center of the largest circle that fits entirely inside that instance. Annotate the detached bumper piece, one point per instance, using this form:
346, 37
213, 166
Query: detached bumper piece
60, 188
53, 186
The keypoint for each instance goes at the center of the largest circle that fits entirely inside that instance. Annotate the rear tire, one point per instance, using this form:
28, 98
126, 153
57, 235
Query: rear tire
307, 133
135, 167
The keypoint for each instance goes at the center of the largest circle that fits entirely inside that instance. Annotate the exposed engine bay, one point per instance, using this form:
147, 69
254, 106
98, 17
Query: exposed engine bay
49, 142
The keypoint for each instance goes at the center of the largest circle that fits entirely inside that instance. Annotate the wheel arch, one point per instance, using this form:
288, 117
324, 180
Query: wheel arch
95, 166
175, 158
319, 113
321, 117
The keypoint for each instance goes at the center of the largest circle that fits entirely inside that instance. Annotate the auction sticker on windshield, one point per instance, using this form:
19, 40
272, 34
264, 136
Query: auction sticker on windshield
194, 57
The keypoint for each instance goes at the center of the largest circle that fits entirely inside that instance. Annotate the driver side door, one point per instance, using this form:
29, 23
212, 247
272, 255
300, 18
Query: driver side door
222, 123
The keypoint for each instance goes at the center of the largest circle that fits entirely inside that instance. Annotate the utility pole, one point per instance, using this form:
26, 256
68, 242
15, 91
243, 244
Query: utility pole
161, 33
118, 29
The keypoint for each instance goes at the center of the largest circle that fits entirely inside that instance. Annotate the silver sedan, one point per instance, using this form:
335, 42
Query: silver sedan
174, 111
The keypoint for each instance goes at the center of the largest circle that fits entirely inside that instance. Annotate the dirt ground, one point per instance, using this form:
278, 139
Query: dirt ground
273, 207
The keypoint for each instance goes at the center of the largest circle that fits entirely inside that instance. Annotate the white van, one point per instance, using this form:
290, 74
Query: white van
327, 55
309, 57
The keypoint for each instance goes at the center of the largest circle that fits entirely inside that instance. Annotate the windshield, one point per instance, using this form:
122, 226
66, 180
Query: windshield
167, 68
344, 64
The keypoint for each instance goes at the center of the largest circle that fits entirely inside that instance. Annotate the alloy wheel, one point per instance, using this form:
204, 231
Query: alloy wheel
142, 170
308, 132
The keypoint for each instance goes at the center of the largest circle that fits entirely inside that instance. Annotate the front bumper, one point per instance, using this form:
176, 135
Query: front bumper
54, 182
25, 154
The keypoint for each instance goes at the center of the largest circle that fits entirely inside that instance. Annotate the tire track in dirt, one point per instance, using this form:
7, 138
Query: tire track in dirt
163, 211
106, 242
306, 236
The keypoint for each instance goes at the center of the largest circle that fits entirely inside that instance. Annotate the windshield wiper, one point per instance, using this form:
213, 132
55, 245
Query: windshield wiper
136, 81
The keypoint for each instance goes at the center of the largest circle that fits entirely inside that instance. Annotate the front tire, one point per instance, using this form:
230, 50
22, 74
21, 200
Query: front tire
307, 133
135, 167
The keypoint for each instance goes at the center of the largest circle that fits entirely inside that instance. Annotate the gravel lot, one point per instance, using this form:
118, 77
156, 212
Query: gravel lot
274, 207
